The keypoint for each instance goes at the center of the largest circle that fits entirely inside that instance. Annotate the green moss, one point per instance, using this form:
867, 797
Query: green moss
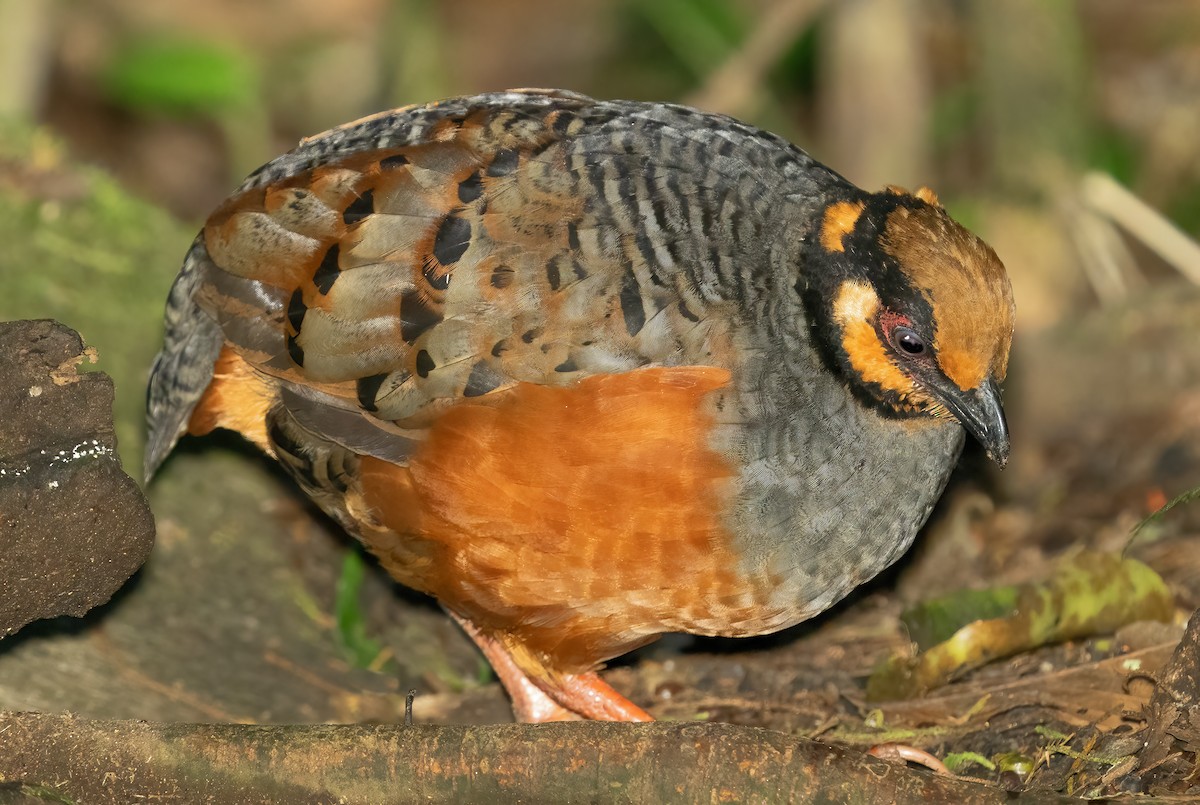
80, 249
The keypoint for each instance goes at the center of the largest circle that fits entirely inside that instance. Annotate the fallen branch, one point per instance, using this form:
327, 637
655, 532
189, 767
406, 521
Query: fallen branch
124, 761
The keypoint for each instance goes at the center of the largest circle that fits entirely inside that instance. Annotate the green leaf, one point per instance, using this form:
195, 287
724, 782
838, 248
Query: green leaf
1089, 593
931, 622
956, 761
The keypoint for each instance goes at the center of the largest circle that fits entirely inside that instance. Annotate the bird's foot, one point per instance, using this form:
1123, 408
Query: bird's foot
592, 697
569, 697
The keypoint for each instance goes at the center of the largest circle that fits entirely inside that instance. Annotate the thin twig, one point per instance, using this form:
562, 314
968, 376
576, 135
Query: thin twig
1103, 194
1107, 262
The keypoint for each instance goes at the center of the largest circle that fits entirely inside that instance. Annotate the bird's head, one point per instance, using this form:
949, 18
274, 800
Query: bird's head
914, 309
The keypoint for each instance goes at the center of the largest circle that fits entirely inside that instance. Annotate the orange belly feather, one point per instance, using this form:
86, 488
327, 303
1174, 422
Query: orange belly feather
572, 523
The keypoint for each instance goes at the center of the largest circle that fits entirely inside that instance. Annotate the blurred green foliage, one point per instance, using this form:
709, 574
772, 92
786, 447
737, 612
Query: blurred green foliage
181, 76
696, 35
1185, 209
668, 48
1113, 152
359, 649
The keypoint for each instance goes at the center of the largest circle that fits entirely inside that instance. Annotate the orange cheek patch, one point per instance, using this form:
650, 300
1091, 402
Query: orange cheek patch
854, 310
840, 220
965, 368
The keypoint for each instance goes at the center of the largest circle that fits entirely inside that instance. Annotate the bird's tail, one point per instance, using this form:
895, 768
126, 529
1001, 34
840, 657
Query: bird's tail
184, 366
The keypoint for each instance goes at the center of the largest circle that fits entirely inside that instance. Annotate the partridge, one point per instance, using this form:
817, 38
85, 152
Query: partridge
587, 372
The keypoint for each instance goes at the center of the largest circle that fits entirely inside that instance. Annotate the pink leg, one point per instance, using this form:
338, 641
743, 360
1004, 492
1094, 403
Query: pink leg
571, 698
592, 697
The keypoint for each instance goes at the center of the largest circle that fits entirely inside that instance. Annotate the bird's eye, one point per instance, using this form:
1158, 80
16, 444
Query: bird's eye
907, 341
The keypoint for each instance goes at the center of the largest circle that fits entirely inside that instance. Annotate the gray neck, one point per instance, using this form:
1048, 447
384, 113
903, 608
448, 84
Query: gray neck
831, 491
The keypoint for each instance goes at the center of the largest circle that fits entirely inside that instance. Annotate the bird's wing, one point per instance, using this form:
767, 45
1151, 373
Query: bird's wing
391, 268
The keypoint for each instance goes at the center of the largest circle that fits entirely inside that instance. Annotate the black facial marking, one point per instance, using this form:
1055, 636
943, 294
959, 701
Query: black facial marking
367, 388
573, 235
631, 302
328, 271
395, 161
505, 162
416, 316
470, 188
568, 365
499, 348
451, 241
820, 284
425, 364
530, 335
482, 380
687, 312
552, 273
295, 351
296, 310
502, 277
360, 208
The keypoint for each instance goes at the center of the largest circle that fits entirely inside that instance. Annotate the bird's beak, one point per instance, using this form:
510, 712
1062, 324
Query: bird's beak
981, 412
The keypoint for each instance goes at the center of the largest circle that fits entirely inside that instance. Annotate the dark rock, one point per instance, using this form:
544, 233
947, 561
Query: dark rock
73, 526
